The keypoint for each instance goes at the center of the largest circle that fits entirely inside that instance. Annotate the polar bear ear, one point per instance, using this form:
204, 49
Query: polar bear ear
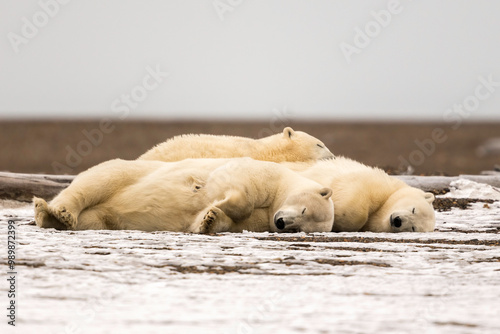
326, 193
288, 132
429, 197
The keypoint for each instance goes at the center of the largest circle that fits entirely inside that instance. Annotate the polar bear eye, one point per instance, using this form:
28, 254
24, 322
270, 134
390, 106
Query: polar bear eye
320, 146
303, 210
413, 211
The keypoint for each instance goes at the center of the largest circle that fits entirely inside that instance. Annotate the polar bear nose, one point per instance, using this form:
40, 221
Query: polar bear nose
280, 223
396, 221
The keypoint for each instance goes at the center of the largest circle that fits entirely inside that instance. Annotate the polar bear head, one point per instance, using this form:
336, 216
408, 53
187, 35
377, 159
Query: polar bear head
300, 146
305, 211
406, 210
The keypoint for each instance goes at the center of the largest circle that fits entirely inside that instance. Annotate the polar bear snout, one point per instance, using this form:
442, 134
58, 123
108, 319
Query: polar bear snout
280, 223
281, 220
402, 222
396, 221
327, 156
285, 222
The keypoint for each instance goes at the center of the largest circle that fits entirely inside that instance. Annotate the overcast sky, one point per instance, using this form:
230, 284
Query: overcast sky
323, 59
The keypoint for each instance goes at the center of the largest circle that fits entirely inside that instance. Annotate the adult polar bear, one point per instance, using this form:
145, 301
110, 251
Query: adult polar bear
287, 146
202, 195
367, 199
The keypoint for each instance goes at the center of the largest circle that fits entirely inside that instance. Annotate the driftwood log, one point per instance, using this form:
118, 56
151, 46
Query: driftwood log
22, 187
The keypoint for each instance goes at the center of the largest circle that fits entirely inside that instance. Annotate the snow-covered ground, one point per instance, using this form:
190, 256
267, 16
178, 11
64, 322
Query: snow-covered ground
136, 282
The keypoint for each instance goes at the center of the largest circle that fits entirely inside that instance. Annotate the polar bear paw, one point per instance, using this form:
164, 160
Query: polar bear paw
64, 216
209, 221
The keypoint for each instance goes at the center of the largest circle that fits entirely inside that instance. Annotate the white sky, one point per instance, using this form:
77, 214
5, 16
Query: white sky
266, 57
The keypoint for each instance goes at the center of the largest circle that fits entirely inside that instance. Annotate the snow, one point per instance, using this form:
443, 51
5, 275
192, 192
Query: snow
131, 281
463, 188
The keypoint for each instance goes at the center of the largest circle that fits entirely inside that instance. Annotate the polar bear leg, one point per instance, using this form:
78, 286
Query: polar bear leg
92, 219
44, 217
72, 201
221, 215
63, 215
212, 220
236, 205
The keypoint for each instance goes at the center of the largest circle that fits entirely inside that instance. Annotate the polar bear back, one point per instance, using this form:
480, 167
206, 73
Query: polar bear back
289, 145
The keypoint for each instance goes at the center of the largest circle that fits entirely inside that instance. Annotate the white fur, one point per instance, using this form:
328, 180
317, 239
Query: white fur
289, 145
193, 195
366, 198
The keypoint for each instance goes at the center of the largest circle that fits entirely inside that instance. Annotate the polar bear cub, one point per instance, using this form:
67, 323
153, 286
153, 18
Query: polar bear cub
193, 195
287, 146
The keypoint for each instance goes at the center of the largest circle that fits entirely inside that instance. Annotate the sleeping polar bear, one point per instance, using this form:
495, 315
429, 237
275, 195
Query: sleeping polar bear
367, 199
200, 196
289, 145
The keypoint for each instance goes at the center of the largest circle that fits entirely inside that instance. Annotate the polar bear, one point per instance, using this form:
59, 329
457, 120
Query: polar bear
287, 146
285, 201
367, 199
185, 196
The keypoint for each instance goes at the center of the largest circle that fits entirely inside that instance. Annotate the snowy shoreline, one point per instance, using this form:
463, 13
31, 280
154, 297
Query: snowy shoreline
130, 281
